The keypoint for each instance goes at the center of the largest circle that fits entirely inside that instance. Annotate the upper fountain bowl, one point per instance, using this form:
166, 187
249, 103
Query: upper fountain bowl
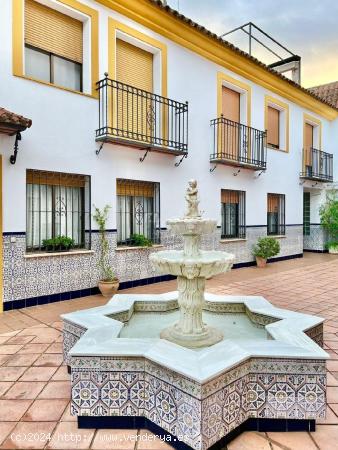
191, 226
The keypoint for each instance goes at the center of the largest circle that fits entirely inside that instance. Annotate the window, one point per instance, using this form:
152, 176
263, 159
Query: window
53, 46
276, 214
58, 204
233, 214
138, 210
306, 214
273, 127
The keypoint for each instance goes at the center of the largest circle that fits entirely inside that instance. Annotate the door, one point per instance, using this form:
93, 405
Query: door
308, 152
230, 134
135, 109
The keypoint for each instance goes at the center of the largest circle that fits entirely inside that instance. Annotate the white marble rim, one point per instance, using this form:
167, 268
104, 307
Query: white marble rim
288, 339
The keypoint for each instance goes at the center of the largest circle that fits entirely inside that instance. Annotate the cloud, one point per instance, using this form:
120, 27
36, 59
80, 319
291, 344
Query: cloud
307, 27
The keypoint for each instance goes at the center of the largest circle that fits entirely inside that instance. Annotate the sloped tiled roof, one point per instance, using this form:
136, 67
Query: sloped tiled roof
227, 44
10, 121
328, 92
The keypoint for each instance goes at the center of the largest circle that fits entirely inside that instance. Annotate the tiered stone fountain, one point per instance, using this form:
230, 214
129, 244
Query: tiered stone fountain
193, 366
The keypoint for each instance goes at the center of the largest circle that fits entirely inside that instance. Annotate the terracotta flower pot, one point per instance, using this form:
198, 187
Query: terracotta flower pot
261, 262
108, 288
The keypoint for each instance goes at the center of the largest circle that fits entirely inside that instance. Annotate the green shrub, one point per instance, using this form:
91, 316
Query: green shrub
101, 216
329, 219
139, 240
58, 243
266, 247
331, 244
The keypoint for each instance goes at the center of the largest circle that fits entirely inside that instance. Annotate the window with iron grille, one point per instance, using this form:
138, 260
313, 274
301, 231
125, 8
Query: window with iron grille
306, 214
276, 214
138, 210
57, 204
233, 214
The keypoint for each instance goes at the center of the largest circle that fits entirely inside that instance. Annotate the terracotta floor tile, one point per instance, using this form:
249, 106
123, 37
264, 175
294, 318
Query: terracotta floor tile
55, 348
67, 417
294, 440
4, 359
24, 390
250, 441
4, 386
331, 416
332, 394
56, 389
29, 435
19, 360
51, 359
116, 439
20, 339
61, 374
5, 429
61, 438
38, 374
13, 410
45, 410
326, 437
11, 373
148, 441
9, 349
33, 348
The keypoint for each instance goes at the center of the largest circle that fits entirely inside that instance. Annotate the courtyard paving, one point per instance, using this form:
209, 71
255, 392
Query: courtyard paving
35, 388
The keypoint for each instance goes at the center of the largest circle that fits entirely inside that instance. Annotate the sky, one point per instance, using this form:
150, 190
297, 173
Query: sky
309, 28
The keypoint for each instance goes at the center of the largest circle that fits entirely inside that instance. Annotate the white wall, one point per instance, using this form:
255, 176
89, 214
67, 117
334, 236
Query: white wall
62, 139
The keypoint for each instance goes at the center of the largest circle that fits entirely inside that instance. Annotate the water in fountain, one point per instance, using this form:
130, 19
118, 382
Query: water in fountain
192, 266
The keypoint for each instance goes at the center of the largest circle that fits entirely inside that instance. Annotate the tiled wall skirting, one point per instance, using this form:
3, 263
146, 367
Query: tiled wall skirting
32, 281
316, 240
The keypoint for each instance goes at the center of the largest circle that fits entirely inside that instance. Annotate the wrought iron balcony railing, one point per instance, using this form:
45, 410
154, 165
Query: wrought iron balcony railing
237, 144
317, 165
132, 116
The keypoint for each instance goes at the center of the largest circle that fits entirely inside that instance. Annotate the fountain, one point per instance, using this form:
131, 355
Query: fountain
198, 367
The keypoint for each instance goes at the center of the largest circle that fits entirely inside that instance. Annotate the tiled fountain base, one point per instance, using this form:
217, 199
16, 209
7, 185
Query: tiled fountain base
198, 396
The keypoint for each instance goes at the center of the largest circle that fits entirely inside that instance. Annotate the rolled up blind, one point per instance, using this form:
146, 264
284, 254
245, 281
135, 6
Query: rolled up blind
55, 178
52, 31
135, 188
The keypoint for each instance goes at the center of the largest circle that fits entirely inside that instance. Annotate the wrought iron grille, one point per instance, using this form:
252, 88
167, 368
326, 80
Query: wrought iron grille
317, 165
238, 143
233, 214
276, 214
138, 211
57, 204
306, 213
126, 112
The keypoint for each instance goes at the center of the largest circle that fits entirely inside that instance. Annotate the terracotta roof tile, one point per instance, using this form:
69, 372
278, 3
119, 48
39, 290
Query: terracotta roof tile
328, 92
214, 36
10, 118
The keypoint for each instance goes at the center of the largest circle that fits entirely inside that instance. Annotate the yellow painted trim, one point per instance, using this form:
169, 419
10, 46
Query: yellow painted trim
113, 26
35, 80
221, 77
18, 42
156, 19
269, 100
307, 118
1, 242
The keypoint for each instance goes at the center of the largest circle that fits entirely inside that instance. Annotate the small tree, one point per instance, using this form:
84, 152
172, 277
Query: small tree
100, 216
329, 219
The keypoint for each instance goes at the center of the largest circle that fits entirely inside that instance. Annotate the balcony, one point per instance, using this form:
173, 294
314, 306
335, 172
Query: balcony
137, 118
317, 165
238, 145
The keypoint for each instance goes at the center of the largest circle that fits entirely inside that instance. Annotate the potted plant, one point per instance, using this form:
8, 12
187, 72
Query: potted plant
329, 221
265, 248
58, 244
139, 240
108, 283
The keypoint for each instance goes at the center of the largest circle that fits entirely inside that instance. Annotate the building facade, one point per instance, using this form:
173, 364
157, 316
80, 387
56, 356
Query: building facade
128, 101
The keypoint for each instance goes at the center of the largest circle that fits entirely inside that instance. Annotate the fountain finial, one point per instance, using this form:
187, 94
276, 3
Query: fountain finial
192, 200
